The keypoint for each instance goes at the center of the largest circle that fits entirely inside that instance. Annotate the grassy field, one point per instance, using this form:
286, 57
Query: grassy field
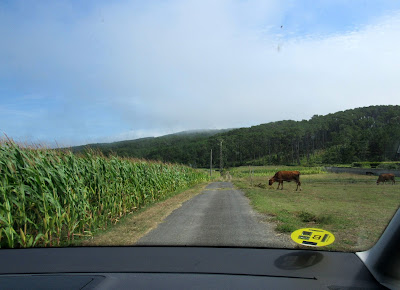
264, 171
352, 207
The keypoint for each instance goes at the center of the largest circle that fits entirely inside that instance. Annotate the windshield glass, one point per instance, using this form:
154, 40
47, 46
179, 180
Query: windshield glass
208, 123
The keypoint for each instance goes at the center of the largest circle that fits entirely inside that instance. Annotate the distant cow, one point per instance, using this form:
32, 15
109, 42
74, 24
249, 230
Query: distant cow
385, 176
282, 176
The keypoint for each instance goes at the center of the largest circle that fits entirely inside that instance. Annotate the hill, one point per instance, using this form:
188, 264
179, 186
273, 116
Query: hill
361, 134
168, 148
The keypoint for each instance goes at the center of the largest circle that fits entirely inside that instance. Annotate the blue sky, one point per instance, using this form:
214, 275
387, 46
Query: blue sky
77, 72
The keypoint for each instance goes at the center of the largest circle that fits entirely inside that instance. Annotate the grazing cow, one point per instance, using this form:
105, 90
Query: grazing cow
282, 176
385, 176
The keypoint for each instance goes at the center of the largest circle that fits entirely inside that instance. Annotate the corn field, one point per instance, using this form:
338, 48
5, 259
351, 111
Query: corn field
49, 197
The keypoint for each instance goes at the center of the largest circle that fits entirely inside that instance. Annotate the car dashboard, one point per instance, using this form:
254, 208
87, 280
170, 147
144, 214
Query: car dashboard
198, 267
182, 268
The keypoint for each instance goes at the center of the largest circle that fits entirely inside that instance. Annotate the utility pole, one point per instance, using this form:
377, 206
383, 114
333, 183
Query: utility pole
221, 164
211, 163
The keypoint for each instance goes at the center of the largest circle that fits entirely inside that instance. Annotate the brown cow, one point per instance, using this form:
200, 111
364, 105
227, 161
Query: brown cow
282, 176
386, 176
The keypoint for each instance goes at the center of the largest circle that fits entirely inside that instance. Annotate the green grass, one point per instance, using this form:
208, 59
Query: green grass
49, 197
258, 171
352, 207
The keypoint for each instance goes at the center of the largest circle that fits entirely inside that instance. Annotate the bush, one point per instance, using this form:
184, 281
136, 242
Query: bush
374, 164
389, 165
307, 217
310, 217
285, 228
325, 219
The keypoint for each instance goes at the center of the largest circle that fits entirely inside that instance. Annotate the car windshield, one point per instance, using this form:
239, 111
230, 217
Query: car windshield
199, 123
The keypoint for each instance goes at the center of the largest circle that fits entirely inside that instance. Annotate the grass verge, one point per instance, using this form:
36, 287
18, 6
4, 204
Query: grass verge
134, 226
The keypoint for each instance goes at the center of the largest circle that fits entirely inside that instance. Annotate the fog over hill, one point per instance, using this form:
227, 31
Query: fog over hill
362, 134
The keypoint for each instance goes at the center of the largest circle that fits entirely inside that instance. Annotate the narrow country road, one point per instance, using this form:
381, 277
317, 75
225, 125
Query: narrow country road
219, 216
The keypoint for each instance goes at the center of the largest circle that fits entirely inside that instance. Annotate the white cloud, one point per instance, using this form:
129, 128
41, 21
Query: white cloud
208, 64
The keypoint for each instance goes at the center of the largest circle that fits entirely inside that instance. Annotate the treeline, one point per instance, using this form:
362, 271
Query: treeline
362, 134
175, 148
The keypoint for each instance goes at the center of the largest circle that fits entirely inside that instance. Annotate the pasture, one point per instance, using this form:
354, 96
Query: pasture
352, 207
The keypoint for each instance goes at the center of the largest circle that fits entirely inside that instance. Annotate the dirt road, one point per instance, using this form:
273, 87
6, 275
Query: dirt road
219, 216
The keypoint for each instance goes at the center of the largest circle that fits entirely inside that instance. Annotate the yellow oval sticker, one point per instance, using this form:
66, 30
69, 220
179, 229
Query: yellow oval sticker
313, 237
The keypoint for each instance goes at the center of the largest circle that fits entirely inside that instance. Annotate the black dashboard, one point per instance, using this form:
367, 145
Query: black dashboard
182, 268
144, 267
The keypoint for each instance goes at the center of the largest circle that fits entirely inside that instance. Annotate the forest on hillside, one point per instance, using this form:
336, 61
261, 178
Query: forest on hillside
362, 134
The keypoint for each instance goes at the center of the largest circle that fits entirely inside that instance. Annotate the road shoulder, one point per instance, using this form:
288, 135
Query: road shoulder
136, 225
